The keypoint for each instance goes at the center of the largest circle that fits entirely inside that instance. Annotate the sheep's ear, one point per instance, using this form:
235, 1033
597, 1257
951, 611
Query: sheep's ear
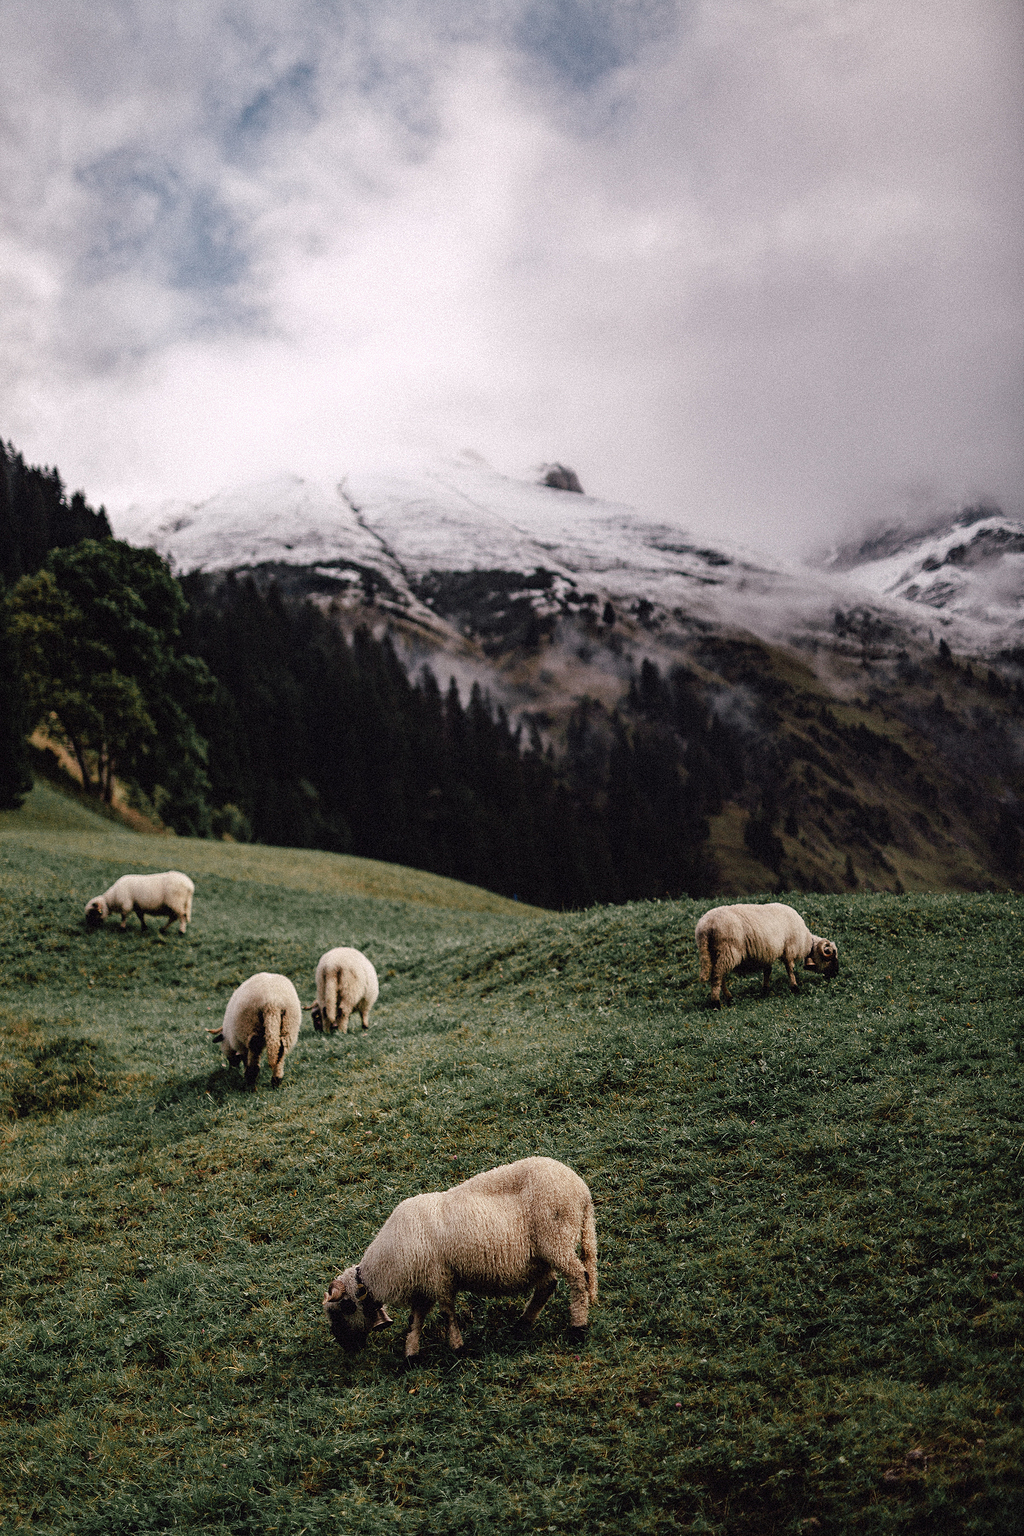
383, 1318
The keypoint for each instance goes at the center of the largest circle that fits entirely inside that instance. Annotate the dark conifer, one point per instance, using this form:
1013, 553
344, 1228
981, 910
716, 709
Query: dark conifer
15, 777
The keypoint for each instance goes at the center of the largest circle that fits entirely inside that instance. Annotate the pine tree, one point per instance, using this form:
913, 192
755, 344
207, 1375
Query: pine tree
15, 778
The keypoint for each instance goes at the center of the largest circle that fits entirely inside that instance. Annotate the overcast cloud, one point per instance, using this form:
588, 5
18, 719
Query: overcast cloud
753, 265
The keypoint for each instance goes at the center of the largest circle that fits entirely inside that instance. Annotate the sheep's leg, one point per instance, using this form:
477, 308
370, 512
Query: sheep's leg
343, 1014
170, 920
141, 916
446, 1306
420, 1307
720, 986
579, 1296
766, 980
544, 1290
791, 973
252, 1063
454, 1336
364, 1012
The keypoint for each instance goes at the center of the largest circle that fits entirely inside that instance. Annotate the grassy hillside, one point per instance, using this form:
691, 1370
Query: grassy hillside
50, 821
809, 1214
901, 775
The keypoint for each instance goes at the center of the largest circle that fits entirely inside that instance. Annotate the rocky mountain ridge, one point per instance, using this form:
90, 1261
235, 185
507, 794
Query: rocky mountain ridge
875, 702
419, 546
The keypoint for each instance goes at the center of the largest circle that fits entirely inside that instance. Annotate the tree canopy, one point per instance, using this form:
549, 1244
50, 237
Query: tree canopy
36, 515
99, 633
324, 742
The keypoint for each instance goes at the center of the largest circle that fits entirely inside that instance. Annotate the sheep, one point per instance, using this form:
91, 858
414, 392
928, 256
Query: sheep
497, 1234
345, 980
264, 1012
169, 894
751, 937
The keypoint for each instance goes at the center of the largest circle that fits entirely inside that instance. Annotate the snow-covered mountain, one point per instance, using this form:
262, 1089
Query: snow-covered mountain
969, 569
400, 539
863, 752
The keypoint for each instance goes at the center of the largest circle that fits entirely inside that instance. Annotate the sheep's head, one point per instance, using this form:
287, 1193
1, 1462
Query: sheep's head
317, 1016
351, 1311
96, 911
824, 957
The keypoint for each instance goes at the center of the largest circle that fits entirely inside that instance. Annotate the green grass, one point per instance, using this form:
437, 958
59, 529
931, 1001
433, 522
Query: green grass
809, 1213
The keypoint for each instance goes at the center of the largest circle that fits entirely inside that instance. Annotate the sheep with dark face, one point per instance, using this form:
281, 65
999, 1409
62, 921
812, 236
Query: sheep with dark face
751, 937
500, 1233
345, 981
263, 1014
167, 895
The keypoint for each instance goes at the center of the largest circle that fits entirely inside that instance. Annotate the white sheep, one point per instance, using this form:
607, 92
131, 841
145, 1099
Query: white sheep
168, 895
497, 1234
751, 937
345, 981
263, 1013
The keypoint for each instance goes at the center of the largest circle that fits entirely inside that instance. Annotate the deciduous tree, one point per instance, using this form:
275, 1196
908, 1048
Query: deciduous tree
99, 630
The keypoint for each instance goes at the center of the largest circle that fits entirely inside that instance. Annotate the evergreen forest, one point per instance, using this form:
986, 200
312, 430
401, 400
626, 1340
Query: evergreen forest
318, 741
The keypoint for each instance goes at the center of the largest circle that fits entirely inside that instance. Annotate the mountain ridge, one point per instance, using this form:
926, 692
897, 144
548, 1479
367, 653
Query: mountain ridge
386, 537
879, 729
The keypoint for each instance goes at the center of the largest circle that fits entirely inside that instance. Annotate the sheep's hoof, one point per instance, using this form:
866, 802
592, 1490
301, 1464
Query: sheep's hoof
276, 1082
577, 1335
521, 1329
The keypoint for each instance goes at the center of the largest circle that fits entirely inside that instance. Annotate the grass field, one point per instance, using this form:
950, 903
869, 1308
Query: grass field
809, 1211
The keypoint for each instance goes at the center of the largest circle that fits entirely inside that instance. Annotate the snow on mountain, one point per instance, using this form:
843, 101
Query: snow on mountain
394, 532
970, 568
287, 520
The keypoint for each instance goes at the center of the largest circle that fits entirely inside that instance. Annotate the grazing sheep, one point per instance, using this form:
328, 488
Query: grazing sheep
751, 937
263, 1013
168, 895
345, 980
497, 1234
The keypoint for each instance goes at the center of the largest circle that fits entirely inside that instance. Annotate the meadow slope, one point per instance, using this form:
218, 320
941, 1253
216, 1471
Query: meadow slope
809, 1212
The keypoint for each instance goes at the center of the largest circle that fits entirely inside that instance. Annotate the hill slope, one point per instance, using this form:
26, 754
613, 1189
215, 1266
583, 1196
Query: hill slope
52, 822
808, 1223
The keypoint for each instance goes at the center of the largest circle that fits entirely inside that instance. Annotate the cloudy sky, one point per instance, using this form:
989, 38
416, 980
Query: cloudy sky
753, 265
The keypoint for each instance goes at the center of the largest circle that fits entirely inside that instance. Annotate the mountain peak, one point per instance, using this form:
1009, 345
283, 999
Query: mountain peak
396, 532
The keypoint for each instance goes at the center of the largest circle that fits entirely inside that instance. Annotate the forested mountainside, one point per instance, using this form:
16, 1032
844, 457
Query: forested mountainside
516, 732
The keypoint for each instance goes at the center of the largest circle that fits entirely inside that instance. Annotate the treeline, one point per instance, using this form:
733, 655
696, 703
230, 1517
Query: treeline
36, 515
317, 741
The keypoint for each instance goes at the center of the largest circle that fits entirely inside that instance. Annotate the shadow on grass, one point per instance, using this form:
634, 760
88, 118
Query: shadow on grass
489, 1342
220, 1085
